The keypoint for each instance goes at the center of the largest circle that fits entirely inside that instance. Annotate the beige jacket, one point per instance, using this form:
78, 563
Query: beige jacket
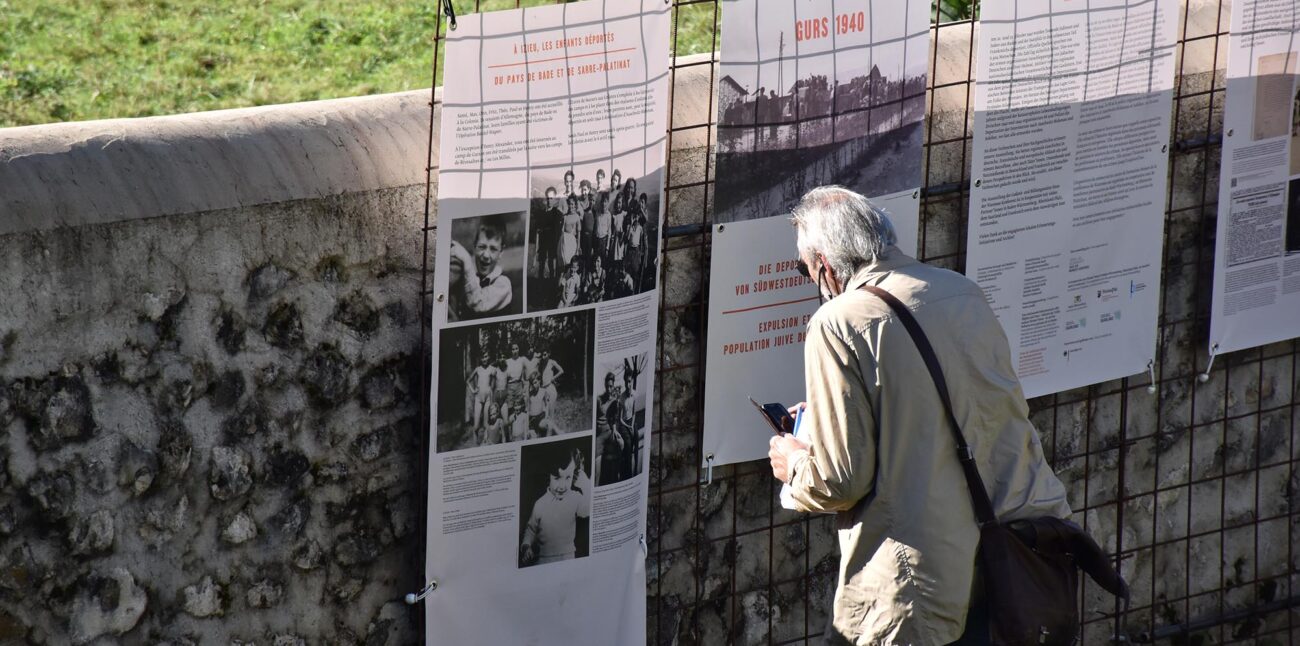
877, 433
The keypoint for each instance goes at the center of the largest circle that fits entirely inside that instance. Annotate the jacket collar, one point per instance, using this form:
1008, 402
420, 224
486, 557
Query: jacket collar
891, 260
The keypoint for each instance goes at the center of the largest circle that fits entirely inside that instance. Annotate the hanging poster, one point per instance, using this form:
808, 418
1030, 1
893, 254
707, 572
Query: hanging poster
812, 92
1069, 177
1257, 246
550, 192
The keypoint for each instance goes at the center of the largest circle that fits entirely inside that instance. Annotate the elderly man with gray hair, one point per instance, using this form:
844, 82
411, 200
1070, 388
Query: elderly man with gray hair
875, 445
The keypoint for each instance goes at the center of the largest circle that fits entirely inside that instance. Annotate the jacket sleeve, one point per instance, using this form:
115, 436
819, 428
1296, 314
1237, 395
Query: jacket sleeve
838, 468
495, 296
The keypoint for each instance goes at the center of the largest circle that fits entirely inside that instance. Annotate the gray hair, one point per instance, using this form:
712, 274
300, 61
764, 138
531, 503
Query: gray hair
844, 227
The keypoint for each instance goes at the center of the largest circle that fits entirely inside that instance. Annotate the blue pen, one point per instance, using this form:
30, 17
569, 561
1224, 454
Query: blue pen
798, 417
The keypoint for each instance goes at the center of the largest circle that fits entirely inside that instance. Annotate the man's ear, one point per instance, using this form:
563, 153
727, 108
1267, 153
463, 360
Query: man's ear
832, 279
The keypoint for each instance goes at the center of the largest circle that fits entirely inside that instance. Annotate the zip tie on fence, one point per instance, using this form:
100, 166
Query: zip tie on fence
645, 549
413, 598
1151, 370
1205, 376
450, 10
708, 470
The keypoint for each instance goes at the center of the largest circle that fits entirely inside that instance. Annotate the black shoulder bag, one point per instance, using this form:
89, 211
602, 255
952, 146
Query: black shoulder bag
1030, 567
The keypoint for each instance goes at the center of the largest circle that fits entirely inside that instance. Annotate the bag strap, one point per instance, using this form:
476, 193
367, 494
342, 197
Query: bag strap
979, 495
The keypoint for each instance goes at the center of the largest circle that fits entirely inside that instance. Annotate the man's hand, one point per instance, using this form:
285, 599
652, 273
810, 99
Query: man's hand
461, 263
780, 449
460, 255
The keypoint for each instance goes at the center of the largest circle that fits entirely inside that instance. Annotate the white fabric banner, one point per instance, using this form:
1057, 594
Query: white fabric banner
550, 193
1069, 177
812, 92
1257, 246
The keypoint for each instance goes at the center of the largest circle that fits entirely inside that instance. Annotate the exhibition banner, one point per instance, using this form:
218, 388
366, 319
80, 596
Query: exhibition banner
550, 192
812, 92
1257, 244
1068, 182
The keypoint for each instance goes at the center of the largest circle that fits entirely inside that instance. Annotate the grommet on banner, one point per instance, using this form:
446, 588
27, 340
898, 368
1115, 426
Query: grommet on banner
450, 10
1151, 370
708, 470
1205, 376
413, 598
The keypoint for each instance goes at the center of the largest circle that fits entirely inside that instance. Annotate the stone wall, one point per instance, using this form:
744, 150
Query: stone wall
209, 376
208, 414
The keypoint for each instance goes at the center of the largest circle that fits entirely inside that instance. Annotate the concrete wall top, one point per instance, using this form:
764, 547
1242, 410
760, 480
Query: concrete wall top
94, 172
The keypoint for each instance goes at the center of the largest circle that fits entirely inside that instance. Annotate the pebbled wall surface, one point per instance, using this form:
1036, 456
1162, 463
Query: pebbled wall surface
208, 396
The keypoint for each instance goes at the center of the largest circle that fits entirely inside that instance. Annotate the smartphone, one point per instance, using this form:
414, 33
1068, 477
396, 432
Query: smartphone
776, 415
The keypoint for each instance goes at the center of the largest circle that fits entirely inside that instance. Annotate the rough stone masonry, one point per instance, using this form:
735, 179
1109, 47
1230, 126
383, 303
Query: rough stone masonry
208, 416
208, 426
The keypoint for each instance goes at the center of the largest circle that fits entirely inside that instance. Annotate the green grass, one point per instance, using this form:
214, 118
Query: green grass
91, 59
72, 60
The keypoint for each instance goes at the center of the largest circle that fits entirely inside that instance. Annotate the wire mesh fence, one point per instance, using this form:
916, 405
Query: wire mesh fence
1193, 487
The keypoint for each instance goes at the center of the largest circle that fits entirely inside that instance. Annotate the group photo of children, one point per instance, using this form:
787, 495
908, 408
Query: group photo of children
554, 501
621, 419
593, 236
515, 380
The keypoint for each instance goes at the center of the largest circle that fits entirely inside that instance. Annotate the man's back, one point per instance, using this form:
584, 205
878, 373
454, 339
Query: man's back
880, 437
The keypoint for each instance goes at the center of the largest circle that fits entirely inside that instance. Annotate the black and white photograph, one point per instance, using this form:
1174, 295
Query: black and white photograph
593, 235
515, 380
1293, 217
554, 501
1295, 131
486, 278
621, 418
1274, 95
799, 108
